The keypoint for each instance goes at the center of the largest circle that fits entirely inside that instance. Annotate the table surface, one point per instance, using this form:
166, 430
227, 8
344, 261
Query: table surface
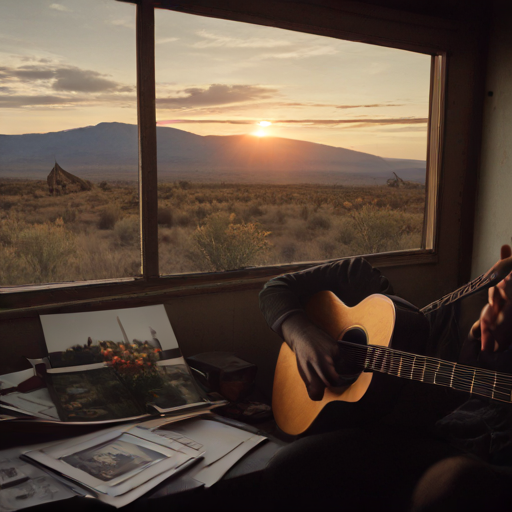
180, 492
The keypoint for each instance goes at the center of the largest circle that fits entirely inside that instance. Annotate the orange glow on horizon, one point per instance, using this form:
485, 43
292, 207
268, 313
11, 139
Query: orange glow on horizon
259, 133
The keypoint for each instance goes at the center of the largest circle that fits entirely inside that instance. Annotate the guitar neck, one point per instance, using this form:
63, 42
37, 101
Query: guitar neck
484, 281
497, 386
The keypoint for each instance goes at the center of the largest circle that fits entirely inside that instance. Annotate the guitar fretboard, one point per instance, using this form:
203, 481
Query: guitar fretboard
497, 386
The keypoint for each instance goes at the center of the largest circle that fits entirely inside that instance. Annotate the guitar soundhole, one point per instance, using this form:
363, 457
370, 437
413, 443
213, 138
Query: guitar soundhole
355, 335
350, 364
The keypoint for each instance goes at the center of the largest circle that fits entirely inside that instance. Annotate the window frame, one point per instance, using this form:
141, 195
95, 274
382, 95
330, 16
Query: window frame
151, 282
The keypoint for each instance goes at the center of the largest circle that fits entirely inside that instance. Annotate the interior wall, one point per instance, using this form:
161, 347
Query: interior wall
493, 221
228, 322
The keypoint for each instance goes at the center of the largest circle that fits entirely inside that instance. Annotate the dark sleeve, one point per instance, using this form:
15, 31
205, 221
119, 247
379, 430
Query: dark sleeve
352, 280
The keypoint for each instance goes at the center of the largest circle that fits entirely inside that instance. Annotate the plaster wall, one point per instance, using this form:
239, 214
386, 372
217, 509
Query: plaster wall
493, 220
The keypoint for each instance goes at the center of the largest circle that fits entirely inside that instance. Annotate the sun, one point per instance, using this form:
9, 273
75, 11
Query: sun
262, 133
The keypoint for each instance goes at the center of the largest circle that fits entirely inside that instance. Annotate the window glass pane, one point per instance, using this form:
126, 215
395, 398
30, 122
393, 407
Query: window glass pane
68, 143
277, 146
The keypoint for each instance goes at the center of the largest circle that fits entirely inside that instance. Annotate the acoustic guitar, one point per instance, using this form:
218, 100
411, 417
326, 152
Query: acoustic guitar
365, 332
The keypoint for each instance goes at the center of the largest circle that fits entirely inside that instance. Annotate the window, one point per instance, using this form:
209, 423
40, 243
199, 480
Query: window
280, 147
275, 147
68, 166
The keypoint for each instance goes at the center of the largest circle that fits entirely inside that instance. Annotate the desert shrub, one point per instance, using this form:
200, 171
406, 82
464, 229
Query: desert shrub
304, 213
127, 231
279, 217
200, 213
100, 259
68, 216
104, 186
224, 245
302, 234
45, 248
347, 234
288, 252
109, 216
164, 216
183, 219
254, 211
7, 204
319, 222
381, 230
201, 198
10, 227
328, 249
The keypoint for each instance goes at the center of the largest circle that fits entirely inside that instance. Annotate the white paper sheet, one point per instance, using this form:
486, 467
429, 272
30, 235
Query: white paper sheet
214, 472
217, 438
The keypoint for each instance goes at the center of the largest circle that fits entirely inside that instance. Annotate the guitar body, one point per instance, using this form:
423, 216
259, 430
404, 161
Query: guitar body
375, 316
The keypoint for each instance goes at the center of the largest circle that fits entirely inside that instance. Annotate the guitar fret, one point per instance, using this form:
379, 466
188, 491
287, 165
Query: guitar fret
424, 368
418, 370
385, 361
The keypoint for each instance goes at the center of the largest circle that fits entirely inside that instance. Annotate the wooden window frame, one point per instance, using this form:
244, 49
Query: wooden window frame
23, 298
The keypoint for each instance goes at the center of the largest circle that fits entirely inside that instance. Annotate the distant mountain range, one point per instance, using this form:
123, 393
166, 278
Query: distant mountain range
110, 151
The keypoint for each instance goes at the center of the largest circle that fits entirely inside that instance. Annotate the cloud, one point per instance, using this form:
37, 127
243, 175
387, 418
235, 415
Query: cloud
64, 78
124, 22
375, 105
216, 94
30, 73
330, 105
59, 7
361, 122
164, 40
80, 80
19, 100
218, 40
301, 53
204, 121
306, 122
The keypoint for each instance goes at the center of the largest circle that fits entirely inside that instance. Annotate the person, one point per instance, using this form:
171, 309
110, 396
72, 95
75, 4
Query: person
462, 461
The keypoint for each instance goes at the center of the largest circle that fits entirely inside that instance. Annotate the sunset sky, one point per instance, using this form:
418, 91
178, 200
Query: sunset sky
71, 64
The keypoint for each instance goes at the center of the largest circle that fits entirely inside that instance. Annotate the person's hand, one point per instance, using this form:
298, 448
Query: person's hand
316, 354
494, 328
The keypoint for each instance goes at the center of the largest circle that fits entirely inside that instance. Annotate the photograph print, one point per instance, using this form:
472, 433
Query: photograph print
113, 459
92, 395
135, 337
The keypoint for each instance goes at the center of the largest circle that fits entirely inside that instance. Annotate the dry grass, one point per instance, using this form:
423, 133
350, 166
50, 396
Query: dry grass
95, 234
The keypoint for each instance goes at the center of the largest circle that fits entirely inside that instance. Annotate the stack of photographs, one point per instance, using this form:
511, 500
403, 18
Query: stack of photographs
115, 463
34, 402
23, 486
107, 366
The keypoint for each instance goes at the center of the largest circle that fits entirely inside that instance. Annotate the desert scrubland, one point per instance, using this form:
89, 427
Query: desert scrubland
202, 227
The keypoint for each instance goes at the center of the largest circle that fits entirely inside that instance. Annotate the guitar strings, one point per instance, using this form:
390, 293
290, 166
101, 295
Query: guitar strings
379, 361
428, 369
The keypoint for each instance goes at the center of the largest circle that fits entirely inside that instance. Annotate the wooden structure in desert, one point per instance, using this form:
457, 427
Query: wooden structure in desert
62, 182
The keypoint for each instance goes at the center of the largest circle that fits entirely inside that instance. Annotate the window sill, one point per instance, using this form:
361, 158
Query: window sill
18, 301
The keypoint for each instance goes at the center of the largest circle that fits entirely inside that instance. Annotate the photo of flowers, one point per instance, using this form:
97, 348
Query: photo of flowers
120, 337
110, 365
